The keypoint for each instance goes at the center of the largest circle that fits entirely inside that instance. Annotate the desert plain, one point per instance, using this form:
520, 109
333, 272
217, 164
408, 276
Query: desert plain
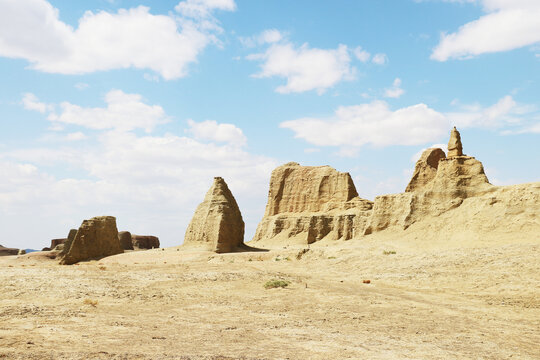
427, 299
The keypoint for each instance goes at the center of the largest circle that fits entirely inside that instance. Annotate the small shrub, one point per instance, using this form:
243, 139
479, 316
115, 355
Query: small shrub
272, 284
90, 302
250, 259
389, 252
331, 257
102, 268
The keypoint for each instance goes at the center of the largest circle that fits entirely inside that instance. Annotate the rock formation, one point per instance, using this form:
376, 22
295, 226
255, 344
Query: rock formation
70, 237
425, 169
96, 238
4, 251
144, 242
125, 240
438, 185
455, 148
21, 252
217, 224
311, 203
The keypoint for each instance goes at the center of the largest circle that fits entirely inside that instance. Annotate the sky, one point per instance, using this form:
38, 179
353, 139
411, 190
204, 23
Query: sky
130, 108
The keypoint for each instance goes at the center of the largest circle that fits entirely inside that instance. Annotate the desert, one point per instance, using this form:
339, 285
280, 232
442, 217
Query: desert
446, 270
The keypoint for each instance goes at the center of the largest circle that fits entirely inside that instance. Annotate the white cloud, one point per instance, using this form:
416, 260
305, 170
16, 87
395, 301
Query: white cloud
305, 68
373, 123
380, 59
31, 102
505, 112
395, 91
361, 54
268, 36
76, 136
211, 130
81, 86
32, 30
124, 112
203, 8
508, 25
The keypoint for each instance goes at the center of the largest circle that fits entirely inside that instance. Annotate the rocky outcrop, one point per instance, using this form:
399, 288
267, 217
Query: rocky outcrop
435, 189
311, 203
455, 148
125, 240
96, 238
21, 252
70, 237
144, 242
4, 251
425, 169
217, 224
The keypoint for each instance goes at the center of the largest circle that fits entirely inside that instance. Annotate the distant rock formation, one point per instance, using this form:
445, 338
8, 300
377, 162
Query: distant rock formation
438, 185
425, 169
217, 224
125, 240
311, 203
144, 242
70, 237
21, 252
4, 251
96, 238
455, 148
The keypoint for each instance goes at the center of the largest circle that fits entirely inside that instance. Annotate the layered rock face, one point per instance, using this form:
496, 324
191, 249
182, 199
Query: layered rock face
217, 224
96, 238
125, 240
144, 242
311, 203
439, 184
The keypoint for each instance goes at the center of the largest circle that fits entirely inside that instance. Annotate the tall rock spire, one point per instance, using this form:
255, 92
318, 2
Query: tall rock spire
455, 148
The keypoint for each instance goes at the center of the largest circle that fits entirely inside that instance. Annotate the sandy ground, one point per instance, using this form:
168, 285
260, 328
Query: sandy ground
429, 300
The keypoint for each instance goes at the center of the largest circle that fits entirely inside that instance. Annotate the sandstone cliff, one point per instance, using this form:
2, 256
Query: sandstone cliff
217, 224
311, 203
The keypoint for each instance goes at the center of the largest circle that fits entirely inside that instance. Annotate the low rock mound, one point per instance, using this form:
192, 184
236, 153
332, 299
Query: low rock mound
96, 238
144, 242
4, 251
217, 224
311, 203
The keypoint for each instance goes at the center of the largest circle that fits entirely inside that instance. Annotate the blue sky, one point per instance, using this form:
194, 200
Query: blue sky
130, 108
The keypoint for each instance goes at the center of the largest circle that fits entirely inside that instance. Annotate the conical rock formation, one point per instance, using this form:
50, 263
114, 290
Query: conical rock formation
455, 148
311, 203
96, 238
217, 224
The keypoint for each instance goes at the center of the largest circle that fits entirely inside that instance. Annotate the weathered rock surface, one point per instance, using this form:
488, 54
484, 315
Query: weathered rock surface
311, 203
96, 238
4, 251
56, 242
455, 148
125, 240
456, 178
70, 237
144, 242
425, 169
217, 224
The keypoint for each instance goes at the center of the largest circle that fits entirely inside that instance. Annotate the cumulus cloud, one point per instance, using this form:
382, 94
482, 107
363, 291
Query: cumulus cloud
268, 36
395, 91
124, 112
31, 102
380, 59
507, 25
374, 123
213, 131
504, 113
305, 68
361, 54
32, 30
